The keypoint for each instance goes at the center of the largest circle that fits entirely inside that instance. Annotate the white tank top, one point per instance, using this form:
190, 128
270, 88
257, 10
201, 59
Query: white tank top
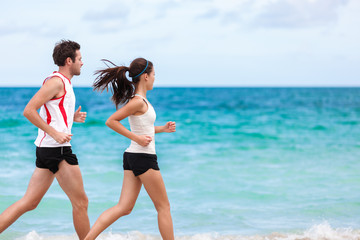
143, 125
58, 113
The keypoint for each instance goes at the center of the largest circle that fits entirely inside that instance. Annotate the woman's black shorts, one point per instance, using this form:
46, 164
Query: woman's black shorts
50, 157
139, 163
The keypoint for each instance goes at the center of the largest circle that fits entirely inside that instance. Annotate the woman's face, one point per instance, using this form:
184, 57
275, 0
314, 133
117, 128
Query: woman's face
150, 79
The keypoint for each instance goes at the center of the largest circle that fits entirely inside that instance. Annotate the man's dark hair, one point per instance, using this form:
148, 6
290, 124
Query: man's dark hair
63, 50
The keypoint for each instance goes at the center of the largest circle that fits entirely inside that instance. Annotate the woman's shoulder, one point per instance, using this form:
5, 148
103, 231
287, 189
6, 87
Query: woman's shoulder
136, 100
136, 103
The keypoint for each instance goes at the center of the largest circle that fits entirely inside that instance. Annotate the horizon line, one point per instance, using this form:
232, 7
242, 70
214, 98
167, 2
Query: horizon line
215, 86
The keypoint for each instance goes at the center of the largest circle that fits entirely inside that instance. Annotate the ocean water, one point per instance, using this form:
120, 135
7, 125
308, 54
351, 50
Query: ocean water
245, 163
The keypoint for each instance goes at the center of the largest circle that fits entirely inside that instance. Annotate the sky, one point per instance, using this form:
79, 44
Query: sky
200, 43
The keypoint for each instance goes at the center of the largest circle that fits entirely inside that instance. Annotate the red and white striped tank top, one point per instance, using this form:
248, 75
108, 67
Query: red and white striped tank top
58, 113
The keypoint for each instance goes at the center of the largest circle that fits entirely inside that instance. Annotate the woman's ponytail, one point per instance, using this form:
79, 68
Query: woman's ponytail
115, 77
121, 88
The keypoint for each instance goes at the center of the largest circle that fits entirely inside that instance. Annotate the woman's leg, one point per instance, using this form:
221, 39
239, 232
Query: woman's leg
155, 187
129, 193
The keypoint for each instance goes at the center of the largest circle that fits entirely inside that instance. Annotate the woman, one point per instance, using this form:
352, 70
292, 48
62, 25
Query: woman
139, 161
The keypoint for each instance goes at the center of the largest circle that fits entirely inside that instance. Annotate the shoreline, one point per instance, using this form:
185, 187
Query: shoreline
321, 231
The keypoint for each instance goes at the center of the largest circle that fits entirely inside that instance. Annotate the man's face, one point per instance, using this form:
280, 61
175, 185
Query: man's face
76, 66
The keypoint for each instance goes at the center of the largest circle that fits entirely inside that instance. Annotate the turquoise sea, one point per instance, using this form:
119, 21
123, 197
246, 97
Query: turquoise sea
245, 163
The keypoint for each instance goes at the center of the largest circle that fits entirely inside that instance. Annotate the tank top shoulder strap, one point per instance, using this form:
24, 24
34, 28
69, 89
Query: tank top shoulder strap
142, 98
54, 75
58, 74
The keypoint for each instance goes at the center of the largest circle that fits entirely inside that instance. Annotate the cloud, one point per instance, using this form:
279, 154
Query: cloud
283, 13
298, 14
9, 29
112, 12
163, 8
43, 30
210, 14
109, 19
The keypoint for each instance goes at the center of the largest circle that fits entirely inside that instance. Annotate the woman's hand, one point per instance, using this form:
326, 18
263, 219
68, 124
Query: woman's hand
170, 127
143, 140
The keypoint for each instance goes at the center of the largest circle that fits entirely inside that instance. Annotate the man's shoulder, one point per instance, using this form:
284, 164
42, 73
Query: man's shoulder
53, 78
54, 85
54, 81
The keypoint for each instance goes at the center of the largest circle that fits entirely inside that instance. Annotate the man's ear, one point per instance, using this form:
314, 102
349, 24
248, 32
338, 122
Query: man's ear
68, 60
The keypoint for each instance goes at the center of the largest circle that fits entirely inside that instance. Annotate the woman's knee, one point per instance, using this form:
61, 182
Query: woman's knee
163, 206
124, 210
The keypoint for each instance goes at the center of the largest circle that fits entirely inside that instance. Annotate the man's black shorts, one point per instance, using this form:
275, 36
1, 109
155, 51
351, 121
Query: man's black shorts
50, 157
139, 163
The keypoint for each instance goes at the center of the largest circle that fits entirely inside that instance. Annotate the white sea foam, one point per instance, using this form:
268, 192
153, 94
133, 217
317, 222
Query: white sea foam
318, 232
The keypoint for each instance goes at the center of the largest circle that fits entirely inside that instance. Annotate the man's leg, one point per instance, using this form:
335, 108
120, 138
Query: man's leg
39, 184
70, 180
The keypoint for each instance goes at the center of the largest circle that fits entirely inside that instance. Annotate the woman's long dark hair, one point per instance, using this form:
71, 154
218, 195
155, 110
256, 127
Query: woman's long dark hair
122, 88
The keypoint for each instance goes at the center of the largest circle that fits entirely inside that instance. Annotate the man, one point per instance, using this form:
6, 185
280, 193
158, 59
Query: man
54, 158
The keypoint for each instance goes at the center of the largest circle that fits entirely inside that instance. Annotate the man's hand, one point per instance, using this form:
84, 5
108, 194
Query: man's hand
61, 137
79, 116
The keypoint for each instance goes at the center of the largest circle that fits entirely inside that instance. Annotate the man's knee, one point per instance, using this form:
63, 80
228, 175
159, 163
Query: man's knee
127, 211
29, 204
81, 203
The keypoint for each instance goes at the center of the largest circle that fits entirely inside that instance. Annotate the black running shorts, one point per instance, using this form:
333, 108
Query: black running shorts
139, 163
49, 158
